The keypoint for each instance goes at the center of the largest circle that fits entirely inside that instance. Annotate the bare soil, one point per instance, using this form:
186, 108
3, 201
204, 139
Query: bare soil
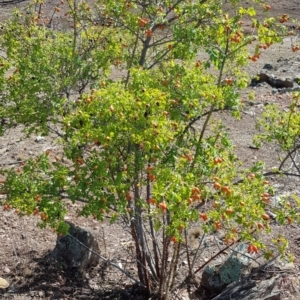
25, 250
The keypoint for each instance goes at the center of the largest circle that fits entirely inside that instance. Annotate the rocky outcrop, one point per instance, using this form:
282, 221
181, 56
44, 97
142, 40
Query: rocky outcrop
250, 290
274, 82
237, 279
216, 278
272, 75
280, 286
73, 250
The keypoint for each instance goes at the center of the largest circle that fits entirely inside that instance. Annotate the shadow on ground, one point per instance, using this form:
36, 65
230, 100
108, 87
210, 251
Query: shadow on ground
43, 277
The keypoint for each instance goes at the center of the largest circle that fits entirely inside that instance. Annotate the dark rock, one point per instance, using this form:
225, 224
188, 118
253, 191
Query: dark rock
281, 59
250, 290
267, 282
268, 67
72, 253
279, 83
272, 81
216, 278
261, 77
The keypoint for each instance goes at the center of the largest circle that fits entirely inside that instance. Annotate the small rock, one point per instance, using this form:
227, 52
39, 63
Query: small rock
3, 283
41, 294
40, 139
288, 266
250, 113
284, 265
268, 67
6, 270
27, 272
2, 150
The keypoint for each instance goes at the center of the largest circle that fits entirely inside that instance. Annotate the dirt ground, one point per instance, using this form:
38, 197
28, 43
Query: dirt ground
25, 250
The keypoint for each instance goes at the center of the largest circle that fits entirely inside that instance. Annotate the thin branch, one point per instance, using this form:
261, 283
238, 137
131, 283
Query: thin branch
55, 131
149, 258
160, 58
212, 107
289, 155
219, 253
13, 163
197, 251
270, 173
191, 122
187, 253
294, 162
132, 57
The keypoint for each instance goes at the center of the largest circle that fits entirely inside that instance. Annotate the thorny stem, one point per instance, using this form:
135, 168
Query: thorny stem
51, 19
74, 8
149, 258
172, 270
133, 54
198, 248
175, 265
164, 260
40, 9
187, 253
131, 61
137, 223
154, 240
138, 252
144, 51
